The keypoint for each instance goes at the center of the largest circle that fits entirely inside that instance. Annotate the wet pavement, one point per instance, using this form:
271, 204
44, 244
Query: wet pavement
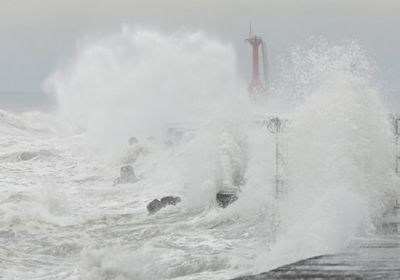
378, 258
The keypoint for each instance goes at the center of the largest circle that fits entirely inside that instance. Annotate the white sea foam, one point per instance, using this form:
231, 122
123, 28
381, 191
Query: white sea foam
61, 215
340, 153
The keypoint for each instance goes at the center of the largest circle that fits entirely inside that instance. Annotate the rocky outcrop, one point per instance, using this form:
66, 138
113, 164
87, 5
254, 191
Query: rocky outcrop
156, 204
170, 200
226, 197
127, 176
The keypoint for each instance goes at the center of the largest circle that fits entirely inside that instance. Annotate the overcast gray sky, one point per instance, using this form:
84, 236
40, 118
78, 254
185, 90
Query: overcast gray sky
38, 35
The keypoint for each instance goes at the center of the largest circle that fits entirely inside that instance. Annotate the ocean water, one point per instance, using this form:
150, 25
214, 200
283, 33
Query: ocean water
62, 217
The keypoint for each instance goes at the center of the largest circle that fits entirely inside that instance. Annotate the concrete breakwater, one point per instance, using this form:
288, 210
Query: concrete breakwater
367, 259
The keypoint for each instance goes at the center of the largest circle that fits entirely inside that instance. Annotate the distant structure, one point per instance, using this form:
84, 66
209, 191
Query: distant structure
391, 222
278, 127
395, 120
256, 86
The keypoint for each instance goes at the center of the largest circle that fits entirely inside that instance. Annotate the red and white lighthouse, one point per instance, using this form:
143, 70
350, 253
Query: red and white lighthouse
256, 86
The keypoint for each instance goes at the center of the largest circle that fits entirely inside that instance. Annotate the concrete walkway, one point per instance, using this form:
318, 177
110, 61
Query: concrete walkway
377, 258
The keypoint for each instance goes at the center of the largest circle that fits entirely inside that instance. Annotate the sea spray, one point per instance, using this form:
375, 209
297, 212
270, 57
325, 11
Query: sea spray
340, 153
142, 83
340, 176
138, 82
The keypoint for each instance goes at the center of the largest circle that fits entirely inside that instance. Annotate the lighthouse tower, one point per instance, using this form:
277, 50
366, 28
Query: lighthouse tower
256, 86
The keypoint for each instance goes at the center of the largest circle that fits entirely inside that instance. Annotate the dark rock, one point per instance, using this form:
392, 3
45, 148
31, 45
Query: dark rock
127, 176
155, 206
170, 200
226, 197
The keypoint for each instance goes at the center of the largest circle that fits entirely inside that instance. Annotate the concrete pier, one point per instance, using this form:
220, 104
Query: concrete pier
377, 258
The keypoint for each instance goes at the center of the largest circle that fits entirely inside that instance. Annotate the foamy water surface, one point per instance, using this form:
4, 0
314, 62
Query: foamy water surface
61, 217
